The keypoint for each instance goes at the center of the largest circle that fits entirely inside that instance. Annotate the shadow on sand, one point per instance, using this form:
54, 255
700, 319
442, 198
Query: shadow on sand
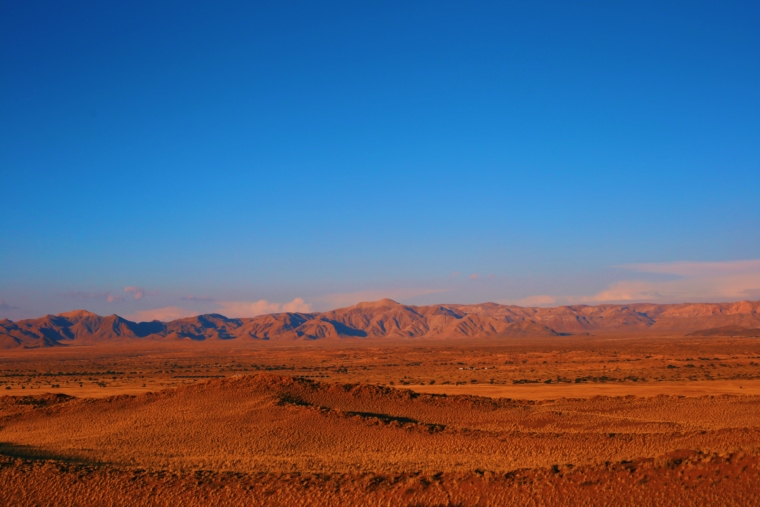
29, 452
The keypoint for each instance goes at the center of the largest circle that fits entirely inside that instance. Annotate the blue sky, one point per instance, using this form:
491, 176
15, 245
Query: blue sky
258, 155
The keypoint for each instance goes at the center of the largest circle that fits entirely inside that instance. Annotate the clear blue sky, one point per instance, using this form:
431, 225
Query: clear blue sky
330, 151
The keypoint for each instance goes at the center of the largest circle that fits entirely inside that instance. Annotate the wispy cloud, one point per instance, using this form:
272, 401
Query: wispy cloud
699, 269
674, 282
136, 292
688, 281
197, 298
163, 314
105, 296
243, 309
5, 306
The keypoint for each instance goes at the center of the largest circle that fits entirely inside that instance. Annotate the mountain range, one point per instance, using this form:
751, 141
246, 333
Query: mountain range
389, 319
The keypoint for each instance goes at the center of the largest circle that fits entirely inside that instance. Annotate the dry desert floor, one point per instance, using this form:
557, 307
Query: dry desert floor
616, 420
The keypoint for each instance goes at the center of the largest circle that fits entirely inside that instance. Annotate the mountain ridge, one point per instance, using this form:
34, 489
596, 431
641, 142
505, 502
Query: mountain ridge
388, 319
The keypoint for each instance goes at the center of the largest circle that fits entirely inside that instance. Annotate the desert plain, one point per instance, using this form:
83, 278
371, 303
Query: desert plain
532, 415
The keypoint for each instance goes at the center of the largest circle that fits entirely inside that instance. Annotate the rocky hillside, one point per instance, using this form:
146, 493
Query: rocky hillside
389, 319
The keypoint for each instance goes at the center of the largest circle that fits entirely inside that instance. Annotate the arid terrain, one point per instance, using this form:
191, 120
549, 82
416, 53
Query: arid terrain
621, 416
388, 319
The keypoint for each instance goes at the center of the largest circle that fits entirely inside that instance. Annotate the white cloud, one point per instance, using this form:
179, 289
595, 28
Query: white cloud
163, 314
5, 306
247, 309
690, 281
699, 269
137, 292
667, 282
105, 296
297, 305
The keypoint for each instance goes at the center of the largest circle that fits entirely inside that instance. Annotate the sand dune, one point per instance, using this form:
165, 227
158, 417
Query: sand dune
559, 421
279, 424
272, 440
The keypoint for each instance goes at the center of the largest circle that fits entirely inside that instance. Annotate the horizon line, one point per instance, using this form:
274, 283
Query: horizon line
63, 314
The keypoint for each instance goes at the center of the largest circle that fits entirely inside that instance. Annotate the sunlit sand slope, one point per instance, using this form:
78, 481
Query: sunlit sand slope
280, 424
271, 440
676, 480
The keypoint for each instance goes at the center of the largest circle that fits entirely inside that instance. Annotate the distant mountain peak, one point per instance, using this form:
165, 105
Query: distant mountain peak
388, 319
383, 303
78, 314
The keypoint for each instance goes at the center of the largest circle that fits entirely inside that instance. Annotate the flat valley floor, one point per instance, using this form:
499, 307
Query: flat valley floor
597, 420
